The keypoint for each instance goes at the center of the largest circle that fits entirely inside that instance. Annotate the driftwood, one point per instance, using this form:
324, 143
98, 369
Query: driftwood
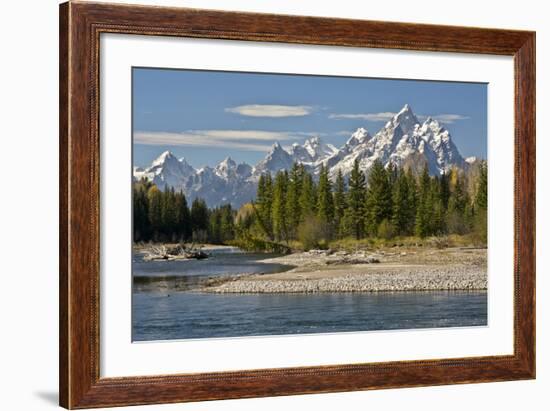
177, 252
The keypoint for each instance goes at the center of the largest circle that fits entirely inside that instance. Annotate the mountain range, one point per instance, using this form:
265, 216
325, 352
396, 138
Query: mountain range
403, 141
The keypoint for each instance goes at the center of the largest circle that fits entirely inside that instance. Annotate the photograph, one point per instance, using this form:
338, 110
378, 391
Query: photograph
273, 204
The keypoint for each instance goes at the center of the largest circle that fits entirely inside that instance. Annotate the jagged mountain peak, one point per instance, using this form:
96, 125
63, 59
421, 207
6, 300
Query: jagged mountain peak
228, 169
432, 123
300, 153
317, 149
313, 142
311, 145
359, 136
226, 164
401, 141
405, 119
166, 170
228, 161
164, 157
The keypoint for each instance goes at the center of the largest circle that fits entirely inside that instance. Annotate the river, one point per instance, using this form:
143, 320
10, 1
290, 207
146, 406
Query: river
166, 304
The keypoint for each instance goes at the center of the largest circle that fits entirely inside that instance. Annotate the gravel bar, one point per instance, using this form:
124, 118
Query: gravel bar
427, 278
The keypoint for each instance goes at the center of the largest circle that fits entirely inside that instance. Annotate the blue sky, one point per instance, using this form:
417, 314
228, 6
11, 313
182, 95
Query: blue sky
206, 116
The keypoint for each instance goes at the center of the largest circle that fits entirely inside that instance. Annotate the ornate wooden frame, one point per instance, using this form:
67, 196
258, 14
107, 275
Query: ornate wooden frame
80, 27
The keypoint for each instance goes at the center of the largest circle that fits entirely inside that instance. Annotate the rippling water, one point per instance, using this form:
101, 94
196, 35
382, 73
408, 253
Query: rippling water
159, 316
224, 261
161, 312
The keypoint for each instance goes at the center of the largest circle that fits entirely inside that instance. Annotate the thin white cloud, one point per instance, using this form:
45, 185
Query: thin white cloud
447, 118
250, 140
270, 110
384, 116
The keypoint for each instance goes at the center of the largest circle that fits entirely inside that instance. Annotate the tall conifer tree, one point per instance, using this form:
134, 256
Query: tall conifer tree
183, 217
403, 209
199, 217
155, 212
356, 201
141, 213
293, 209
264, 204
379, 197
325, 204
339, 202
423, 210
307, 196
280, 223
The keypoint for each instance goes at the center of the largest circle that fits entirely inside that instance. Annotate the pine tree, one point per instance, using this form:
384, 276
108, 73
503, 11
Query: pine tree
339, 202
141, 211
155, 212
308, 196
481, 189
392, 173
435, 203
264, 204
183, 217
423, 210
325, 204
403, 211
214, 226
221, 226
356, 201
458, 220
280, 224
480, 219
199, 218
293, 208
227, 223
260, 190
458, 199
470, 218
169, 222
413, 201
444, 190
379, 197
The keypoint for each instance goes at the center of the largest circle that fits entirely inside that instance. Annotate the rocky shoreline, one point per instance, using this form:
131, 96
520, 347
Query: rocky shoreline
362, 272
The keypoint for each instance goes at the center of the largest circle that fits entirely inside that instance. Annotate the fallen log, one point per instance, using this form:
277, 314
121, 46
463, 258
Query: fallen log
177, 252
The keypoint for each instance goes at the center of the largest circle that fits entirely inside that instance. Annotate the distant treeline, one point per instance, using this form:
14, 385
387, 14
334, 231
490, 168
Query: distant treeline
292, 206
166, 216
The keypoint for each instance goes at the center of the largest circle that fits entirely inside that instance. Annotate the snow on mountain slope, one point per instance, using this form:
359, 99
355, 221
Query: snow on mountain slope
403, 141
276, 160
166, 170
318, 150
400, 138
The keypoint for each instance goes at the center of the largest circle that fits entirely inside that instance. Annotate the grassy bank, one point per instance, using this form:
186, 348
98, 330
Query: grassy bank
350, 244
439, 242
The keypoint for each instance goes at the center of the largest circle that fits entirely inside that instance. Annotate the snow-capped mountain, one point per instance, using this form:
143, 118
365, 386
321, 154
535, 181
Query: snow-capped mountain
403, 141
229, 170
228, 182
316, 150
311, 154
166, 170
276, 160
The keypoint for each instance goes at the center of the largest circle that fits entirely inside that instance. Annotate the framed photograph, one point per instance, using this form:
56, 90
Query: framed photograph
258, 205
